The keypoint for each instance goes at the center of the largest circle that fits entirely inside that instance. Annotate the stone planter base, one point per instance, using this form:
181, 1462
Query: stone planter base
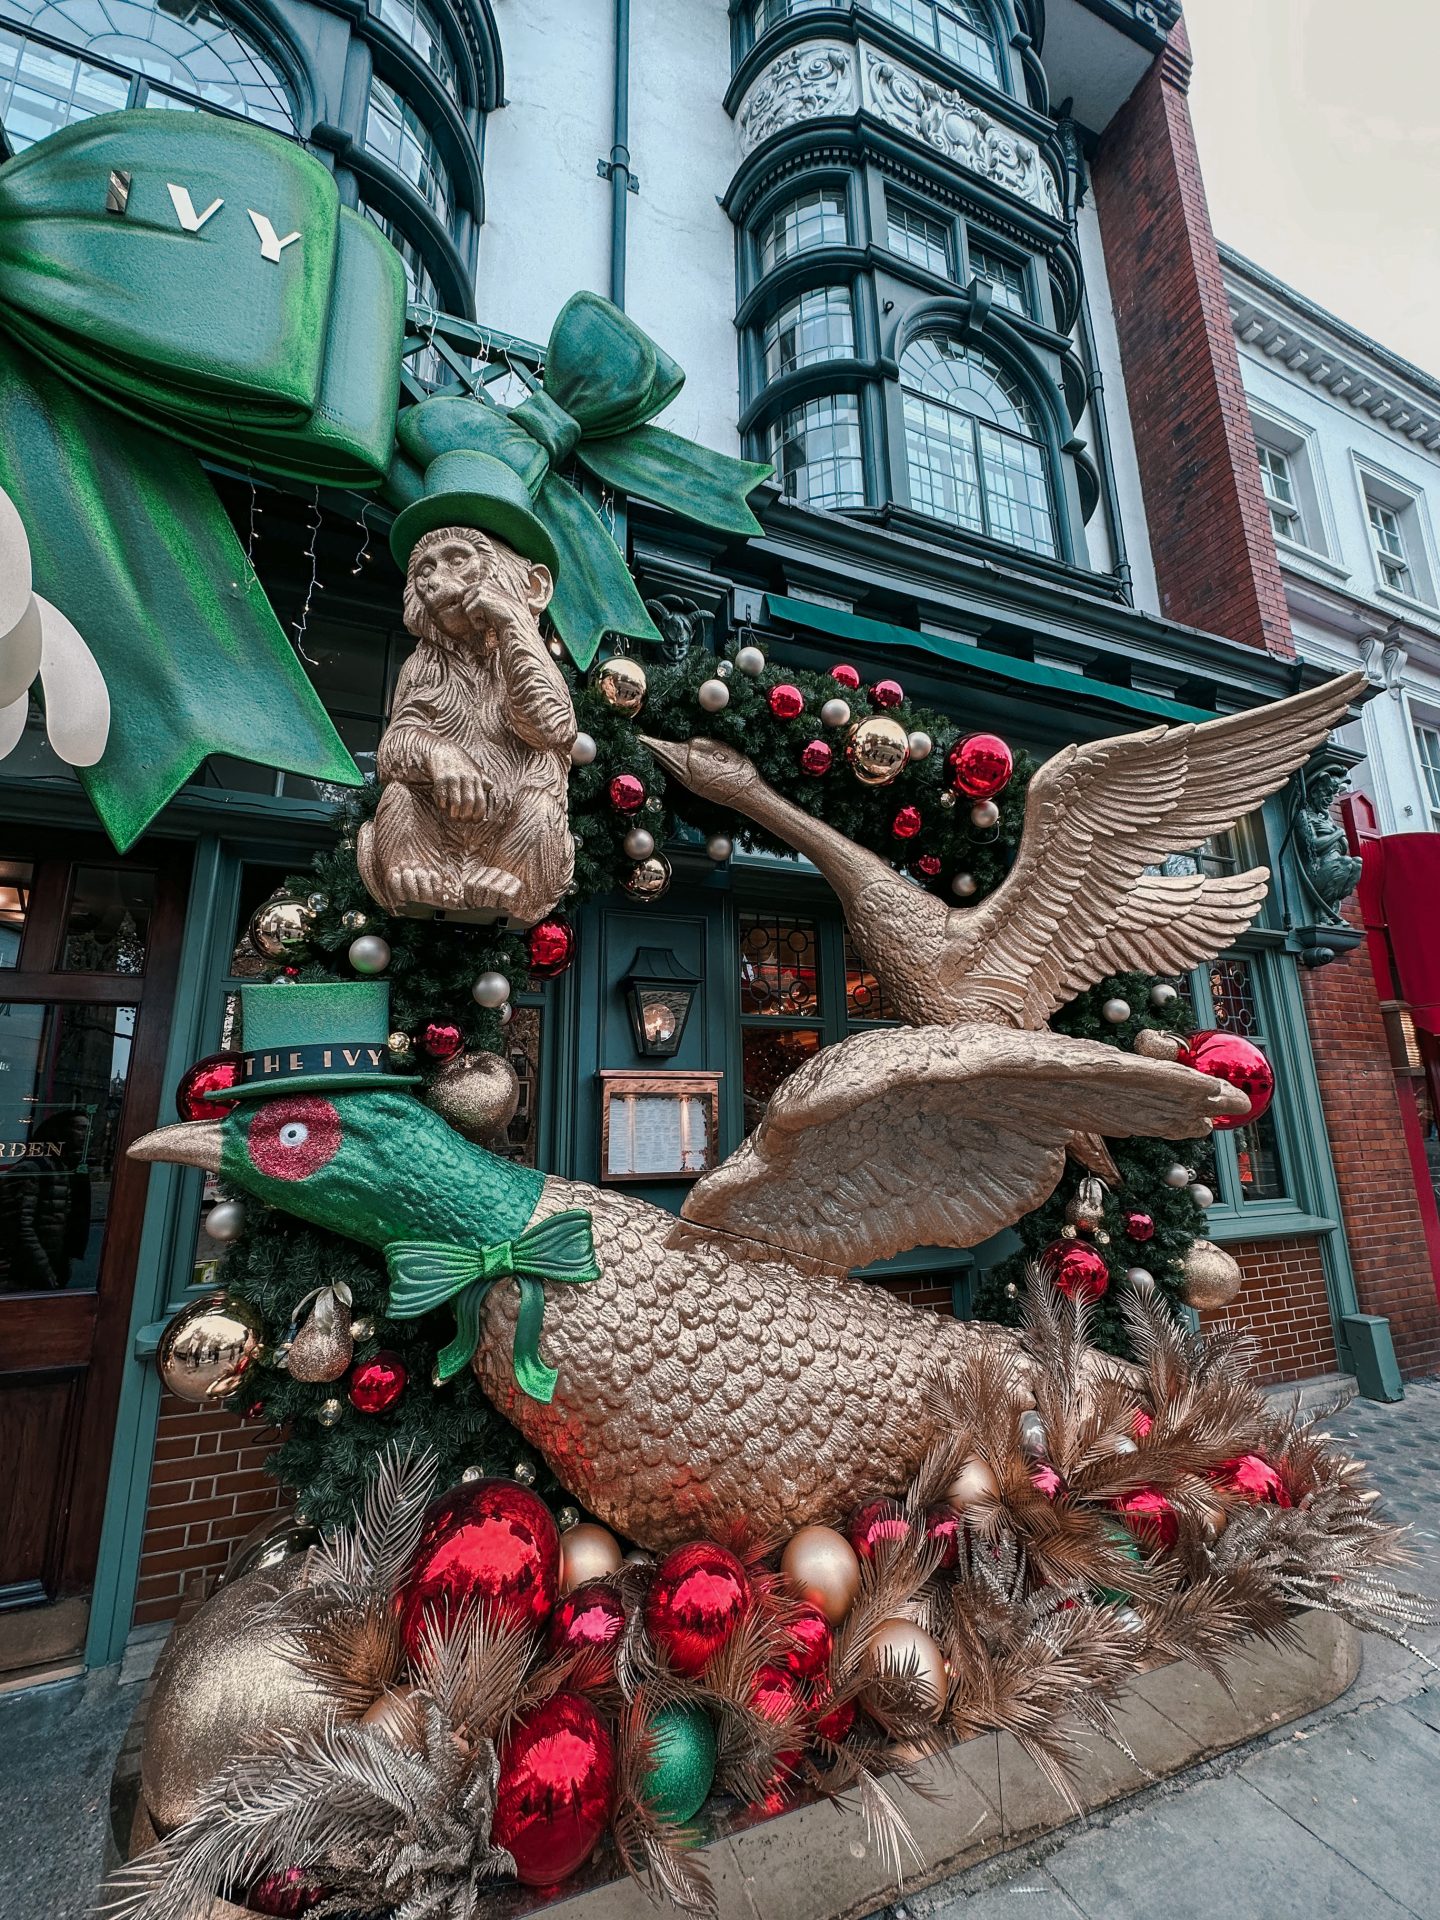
815, 1862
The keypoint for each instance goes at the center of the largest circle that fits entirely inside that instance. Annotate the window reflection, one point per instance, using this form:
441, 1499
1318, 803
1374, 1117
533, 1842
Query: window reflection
107, 922
16, 879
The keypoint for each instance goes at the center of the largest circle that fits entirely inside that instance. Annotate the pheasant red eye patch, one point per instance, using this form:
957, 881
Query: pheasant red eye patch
291, 1139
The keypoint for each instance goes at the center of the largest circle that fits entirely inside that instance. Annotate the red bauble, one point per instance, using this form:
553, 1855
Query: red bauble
590, 1616
1141, 1422
552, 948
289, 1892
441, 1040
695, 1603
786, 701
836, 1722
776, 1694
886, 693
929, 865
979, 765
1225, 1056
377, 1383
1251, 1477
490, 1541
557, 1780
627, 793
1149, 1516
216, 1073
877, 1524
907, 823
817, 757
847, 677
811, 1644
943, 1528
1078, 1270
1139, 1226
1046, 1480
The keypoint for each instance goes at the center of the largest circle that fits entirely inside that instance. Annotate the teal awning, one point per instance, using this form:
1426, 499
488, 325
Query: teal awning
978, 660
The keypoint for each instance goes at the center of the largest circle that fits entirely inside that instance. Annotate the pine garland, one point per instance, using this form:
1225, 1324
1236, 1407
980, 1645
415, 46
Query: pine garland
277, 1261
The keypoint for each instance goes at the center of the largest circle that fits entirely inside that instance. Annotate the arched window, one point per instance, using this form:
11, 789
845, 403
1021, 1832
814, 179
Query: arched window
818, 454
189, 55
815, 218
974, 446
961, 30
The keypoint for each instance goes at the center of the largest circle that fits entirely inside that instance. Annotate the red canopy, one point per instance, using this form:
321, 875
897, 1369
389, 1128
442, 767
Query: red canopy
1409, 875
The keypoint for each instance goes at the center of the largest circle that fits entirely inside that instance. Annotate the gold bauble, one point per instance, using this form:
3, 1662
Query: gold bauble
826, 1569
1210, 1276
1154, 1043
877, 750
587, 1552
649, 879
224, 1684
477, 1093
974, 1486
396, 1715
1086, 1206
325, 1345
898, 1647
278, 1537
280, 923
209, 1347
622, 684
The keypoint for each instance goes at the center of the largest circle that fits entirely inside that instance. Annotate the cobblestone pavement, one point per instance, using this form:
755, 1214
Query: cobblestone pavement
1335, 1815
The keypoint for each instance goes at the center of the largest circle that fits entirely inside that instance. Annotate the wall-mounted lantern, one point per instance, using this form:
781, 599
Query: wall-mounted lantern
659, 993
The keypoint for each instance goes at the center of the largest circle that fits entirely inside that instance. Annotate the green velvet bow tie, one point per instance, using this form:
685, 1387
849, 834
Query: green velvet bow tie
424, 1274
604, 382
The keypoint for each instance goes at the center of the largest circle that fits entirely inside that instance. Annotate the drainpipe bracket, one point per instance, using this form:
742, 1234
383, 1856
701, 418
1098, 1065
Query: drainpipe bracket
607, 169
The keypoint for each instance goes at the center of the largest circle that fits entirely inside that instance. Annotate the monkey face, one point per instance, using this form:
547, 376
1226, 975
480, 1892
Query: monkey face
446, 572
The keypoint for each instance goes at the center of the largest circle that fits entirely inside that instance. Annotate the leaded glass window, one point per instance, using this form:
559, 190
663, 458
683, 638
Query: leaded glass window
974, 447
765, 14
1006, 277
395, 131
189, 48
817, 452
420, 26
814, 219
959, 29
917, 237
816, 326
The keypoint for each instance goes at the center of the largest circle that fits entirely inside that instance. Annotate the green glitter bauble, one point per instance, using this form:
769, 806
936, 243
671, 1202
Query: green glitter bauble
684, 1762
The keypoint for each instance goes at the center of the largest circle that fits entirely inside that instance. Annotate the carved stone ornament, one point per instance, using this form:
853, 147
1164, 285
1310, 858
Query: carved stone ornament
474, 817
826, 78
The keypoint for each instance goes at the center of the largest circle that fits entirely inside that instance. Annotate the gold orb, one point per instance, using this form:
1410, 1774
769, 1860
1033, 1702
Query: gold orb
877, 750
622, 684
899, 1648
224, 1684
269, 1545
1154, 1043
826, 1569
280, 923
477, 1093
1211, 1277
396, 1716
649, 879
587, 1552
209, 1347
974, 1486
1086, 1206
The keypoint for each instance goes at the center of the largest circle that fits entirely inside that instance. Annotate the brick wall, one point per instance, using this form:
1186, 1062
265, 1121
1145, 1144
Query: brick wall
1373, 1168
208, 1489
920, 1292
1284, 1304
1215, 559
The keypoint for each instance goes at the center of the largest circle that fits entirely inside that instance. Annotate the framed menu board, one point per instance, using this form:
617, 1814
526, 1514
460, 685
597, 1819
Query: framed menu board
658, 1126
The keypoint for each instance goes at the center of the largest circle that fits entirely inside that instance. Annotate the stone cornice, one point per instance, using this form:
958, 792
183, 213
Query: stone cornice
1337, 358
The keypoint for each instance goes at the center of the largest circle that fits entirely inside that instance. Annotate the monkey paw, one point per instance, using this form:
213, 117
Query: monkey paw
422, 887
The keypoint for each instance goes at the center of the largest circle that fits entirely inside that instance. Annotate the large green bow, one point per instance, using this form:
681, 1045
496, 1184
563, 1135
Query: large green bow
604, 381
424, 1274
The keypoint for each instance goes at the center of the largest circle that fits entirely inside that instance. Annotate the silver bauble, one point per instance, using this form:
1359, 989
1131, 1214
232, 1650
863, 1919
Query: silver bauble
835, 713
1178, 1176
471, 1475
1140, 1276
921, 745
725, 669
750, 660
226, 1220
1116, 1011
369, 954
362, 1328
713, 696
317, 902
524, 1472
224, 1684
324, 1347
277, 1538
477, 1093
963, 885
1032, 1432
353, 921
490, 990
1202, 1195
209, 1347
582, 750
719, 847
639, 843
984, 814
1163, 995
330, 1412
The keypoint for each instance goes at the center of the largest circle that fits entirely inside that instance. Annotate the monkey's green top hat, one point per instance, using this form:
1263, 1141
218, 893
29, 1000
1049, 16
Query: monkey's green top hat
325, 1037
473, 489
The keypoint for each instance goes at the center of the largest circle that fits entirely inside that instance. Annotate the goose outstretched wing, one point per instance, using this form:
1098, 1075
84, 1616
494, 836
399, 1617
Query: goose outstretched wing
936, 1136
1079, 904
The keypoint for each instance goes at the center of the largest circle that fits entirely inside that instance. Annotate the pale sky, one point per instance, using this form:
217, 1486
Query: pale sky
1319, 130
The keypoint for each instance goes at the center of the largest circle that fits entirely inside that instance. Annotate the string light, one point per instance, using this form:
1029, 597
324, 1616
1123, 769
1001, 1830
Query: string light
316, 584
363, 556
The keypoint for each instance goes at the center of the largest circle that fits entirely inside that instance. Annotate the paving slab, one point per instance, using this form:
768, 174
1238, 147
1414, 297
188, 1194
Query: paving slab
1032, 1896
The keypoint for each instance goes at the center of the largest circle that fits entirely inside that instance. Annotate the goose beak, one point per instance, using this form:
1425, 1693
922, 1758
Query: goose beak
194, 1143
673, 755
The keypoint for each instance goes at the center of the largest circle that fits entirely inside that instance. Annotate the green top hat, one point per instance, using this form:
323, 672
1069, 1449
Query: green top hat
468, 489
326, 1037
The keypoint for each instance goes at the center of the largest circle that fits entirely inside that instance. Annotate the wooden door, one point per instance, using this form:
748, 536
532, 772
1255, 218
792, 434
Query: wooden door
89, 948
